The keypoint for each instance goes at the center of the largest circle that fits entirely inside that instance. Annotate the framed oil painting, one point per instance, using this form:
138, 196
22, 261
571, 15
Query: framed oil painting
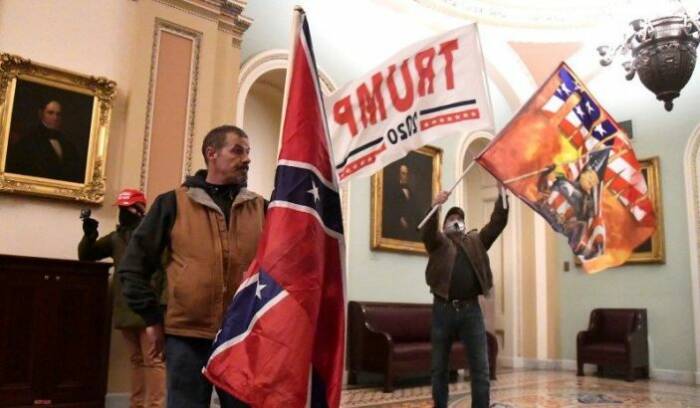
653, 249
54, 127
401, 195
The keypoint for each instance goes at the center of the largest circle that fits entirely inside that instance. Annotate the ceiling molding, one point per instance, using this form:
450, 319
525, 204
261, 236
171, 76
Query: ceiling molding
227, 14
531, 14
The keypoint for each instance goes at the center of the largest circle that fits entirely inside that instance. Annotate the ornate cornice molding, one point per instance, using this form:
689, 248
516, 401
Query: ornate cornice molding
531, 15
227, 14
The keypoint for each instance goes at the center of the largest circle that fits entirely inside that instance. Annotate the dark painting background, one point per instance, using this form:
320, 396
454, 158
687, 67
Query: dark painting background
76, 109
420, 168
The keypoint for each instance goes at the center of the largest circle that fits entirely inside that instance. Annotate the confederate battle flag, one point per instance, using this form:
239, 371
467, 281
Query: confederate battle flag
568, 159
282, 340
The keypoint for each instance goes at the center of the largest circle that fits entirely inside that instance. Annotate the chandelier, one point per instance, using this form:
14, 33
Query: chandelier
662, 51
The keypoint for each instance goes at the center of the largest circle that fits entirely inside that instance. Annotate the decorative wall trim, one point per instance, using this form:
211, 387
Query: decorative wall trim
225, 13
691, 159
541, 293
196, 38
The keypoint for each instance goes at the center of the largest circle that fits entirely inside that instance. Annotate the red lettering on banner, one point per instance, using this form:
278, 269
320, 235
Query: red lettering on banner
369, 96
371, 102
446, 50
405, 103
426, 74
342, 114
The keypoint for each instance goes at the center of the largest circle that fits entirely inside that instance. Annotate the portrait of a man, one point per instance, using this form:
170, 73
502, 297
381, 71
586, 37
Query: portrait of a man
402, 196
49, 132
402, 209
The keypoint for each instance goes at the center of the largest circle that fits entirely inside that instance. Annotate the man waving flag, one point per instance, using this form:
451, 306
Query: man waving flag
285, 326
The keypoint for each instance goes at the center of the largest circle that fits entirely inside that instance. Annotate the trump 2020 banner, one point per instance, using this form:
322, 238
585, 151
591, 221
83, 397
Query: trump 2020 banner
434, 88
568, 159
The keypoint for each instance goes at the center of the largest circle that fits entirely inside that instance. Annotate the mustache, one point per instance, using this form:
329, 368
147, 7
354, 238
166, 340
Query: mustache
245, 167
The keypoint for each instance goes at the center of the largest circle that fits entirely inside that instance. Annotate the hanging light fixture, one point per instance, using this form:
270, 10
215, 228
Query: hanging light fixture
663, 53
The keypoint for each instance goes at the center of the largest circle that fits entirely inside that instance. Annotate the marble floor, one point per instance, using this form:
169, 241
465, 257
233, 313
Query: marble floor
530, 389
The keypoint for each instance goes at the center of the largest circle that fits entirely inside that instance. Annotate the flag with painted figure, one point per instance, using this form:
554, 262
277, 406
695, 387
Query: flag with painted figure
434, 88
568, 159
282, 340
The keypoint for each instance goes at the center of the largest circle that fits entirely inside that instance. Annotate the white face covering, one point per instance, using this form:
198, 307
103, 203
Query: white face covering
455, 227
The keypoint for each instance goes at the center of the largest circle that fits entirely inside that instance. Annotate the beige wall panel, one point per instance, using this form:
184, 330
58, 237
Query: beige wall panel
170, 113
529, 317
553, 319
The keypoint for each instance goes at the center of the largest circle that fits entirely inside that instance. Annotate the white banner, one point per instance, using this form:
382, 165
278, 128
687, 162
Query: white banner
434, 88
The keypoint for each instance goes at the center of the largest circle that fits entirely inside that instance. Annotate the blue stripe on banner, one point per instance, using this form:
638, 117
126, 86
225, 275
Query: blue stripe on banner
359, 150
245, 305
318, 391
587, 110
448, 106
605, 129
568, 79
568, 85
303, 187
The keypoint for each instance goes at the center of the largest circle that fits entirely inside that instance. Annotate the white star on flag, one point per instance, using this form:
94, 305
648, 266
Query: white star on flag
600, 130
579, 111
564, 89
589, 107
314, 192
259, 289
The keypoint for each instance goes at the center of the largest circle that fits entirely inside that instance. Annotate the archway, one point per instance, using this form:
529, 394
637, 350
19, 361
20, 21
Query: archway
691, 167
259, 112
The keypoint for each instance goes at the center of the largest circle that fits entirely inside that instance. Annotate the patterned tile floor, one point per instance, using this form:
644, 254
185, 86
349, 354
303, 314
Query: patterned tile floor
530, 389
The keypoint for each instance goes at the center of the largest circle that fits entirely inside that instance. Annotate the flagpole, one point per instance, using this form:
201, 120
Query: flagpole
297, 15
436, 206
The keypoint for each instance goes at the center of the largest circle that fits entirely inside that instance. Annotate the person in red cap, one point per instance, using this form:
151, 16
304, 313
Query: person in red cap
147, 370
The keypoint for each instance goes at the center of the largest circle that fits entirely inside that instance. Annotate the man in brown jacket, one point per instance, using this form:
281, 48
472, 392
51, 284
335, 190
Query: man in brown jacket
458, 272
210, 227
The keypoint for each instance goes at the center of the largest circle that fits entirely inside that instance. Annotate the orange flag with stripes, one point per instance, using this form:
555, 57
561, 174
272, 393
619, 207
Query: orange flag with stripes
571, 162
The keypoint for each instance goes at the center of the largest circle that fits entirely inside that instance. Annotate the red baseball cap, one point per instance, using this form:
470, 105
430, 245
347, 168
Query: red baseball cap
130, 196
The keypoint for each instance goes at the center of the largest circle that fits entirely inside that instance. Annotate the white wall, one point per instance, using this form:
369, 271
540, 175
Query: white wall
262, 123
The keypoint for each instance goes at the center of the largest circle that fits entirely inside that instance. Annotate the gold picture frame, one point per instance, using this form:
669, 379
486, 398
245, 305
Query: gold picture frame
54, 129
401, 195
653, 250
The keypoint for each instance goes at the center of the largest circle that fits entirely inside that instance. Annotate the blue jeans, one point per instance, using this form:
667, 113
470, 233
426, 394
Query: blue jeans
467, 325
187, 387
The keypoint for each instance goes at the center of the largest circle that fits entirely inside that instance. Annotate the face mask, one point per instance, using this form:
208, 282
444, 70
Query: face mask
127, 218
455, 227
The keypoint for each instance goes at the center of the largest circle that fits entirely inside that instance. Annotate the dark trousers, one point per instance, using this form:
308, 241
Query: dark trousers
466, 324
187, 387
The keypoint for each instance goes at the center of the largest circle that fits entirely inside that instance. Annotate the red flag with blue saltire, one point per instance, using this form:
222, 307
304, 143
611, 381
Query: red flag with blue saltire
286, 326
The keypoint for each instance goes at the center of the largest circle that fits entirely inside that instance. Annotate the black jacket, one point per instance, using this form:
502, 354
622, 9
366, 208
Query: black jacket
33, 155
